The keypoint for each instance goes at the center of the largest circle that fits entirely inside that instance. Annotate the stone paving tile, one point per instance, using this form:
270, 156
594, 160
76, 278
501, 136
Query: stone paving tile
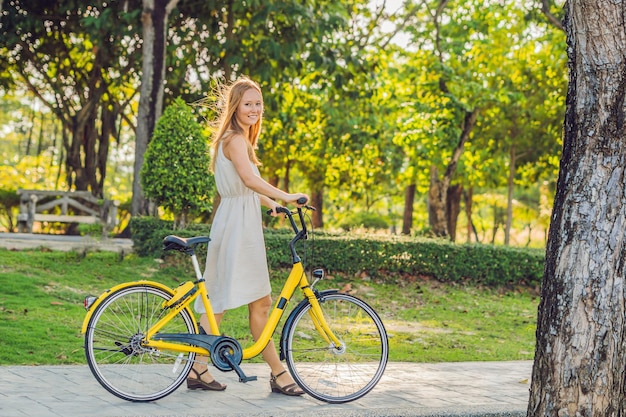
411, 389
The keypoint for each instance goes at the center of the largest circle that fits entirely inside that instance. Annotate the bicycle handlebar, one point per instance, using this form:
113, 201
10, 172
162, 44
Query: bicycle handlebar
300, 234
302, 201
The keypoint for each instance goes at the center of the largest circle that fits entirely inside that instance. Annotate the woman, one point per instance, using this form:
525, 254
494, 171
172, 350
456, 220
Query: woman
236, 270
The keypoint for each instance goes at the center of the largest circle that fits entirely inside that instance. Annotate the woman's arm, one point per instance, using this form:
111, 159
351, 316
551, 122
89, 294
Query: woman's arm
268, 202
236, 150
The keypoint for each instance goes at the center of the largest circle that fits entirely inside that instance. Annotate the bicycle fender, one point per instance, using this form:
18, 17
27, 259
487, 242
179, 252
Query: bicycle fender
292, 315
102, 296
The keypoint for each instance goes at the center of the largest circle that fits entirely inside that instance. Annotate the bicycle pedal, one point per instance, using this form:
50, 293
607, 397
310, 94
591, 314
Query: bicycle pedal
235, 366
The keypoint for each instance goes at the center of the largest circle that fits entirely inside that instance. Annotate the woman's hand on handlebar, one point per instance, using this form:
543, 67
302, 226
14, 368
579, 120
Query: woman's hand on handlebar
274, 209
299, 199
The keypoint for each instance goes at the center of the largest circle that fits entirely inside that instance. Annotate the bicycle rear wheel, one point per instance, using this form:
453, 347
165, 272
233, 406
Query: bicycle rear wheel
325, 372
113, 344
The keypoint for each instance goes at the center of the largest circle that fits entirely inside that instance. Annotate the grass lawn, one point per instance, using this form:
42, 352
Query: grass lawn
41, 309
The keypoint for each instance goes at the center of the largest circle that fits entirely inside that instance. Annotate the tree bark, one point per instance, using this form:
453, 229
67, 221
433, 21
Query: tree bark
154, 18
469, 199
407, 217
438, 191
317, 201
81, 151
453, 208
581, 351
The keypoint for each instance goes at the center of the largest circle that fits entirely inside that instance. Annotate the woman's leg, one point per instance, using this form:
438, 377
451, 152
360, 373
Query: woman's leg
258, 316
201, 364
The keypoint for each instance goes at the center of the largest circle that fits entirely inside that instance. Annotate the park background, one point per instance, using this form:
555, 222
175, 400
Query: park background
423, 118
426, 111
427, 134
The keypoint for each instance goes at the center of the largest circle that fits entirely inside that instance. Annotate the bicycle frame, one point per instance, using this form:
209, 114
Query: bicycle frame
297, 278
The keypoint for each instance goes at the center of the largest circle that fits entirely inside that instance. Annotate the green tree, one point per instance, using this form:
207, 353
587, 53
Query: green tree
275, 42
80, 62
155, 16
336, 120
476, 78
175, 173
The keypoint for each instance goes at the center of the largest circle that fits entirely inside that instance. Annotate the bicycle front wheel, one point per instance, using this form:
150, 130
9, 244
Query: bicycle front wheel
114, 344
337, 374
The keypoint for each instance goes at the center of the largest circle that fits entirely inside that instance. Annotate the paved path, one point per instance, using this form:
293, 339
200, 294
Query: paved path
494, 389
445, 389
19, 241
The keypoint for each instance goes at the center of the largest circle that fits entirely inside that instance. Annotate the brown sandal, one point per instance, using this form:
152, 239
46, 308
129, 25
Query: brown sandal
198, 383
292, 389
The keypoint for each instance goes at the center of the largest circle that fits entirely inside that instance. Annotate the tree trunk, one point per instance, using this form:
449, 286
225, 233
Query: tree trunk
29, 137
317, 201
108, 117
509, 197
154, 19
438, 190
581, 351
453, 208
80, 152
40, 136
497, 222
469, 197
437, 193
287, 177
407, 217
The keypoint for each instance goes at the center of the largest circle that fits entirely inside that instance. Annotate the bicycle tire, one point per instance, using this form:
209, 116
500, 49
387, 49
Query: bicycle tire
336, 375
113, 347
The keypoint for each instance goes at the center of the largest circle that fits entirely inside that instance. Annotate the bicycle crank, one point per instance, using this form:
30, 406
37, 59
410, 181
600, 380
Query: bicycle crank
225, 352
226, 355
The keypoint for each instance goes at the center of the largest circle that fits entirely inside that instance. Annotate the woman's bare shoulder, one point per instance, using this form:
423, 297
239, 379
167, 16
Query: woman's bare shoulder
233, 141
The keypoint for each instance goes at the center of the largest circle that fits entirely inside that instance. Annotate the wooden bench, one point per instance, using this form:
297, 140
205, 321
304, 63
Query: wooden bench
65, 207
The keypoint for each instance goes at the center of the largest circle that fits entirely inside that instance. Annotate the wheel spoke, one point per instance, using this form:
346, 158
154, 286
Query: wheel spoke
331, 374
114, 345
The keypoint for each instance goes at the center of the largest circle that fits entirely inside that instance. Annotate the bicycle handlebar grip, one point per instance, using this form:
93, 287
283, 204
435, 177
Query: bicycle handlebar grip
278, 210
301, 201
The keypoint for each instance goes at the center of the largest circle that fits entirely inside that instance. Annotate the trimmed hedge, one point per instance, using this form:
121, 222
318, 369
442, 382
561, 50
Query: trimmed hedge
383, 258
148, 233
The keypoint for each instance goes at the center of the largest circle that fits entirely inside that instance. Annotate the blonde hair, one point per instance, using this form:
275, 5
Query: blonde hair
230, 97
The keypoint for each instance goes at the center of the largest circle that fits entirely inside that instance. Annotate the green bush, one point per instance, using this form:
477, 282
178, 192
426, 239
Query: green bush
94, 230
381, 258
9, 207
148, 233
175, 173
364, 220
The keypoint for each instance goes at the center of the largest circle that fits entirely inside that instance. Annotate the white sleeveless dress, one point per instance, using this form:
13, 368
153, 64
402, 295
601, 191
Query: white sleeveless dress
236, 270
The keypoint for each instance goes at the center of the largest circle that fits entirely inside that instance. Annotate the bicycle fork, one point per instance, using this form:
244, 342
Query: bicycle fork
314, 298
319, 320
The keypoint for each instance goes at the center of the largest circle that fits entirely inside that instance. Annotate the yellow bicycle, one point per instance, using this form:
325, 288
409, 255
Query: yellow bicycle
141, 337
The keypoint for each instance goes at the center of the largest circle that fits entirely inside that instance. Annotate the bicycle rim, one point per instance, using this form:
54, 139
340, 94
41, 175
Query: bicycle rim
338, 375
113, 345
